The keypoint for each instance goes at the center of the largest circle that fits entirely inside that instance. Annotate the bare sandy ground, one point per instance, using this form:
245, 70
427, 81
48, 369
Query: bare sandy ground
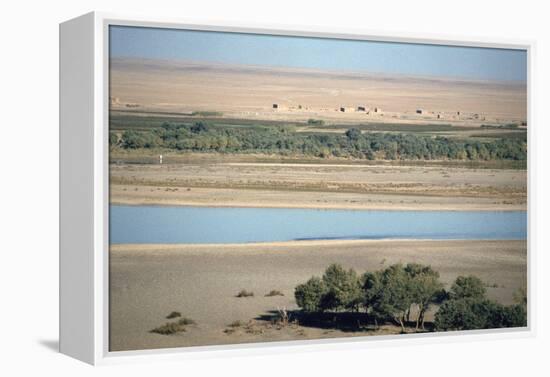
147, 282
319, 186
249, 92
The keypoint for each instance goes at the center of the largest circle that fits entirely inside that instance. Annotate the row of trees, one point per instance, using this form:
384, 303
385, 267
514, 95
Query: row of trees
202, 137
404, 293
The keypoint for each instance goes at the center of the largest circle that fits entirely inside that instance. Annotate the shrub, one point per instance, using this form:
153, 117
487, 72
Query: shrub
169, 328
186, 321
206, 113
316, 122
274, 292
245, 293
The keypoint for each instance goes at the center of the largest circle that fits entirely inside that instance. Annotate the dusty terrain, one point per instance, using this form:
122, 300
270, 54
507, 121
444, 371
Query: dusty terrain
336, 185
147, 282
250, 92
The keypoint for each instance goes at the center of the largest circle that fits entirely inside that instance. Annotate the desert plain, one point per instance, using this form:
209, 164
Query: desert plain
239, 91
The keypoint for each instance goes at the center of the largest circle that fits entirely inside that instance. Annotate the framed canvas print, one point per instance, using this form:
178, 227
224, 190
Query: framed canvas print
226, 187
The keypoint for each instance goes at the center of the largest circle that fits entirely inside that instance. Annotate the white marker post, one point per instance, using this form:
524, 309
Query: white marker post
160, 159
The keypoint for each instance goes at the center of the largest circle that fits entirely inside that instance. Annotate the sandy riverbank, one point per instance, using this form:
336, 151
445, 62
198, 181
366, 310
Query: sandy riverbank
147, 282
319, 186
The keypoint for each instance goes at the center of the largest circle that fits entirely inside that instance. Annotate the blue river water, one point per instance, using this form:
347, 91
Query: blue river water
156, 224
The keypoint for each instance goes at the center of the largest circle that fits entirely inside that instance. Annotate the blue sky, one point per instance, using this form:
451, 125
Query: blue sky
319, 53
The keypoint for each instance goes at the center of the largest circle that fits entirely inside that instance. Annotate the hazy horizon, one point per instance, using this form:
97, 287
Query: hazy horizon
339, 56
203, 65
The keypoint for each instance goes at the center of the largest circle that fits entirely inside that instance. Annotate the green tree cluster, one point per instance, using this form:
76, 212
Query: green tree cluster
396, 292
203, 137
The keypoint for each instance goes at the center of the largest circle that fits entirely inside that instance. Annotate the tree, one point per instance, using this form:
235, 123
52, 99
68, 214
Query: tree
425, 289
520, 296
467, 287
113, 139
131, 139
387, 293
373, 289
286, 140
309, 295
475, 313
353, 134
199, 127
343, 289
391, 150
515, 316
468, 308
392, 292
337, 289
459, 314
134, 139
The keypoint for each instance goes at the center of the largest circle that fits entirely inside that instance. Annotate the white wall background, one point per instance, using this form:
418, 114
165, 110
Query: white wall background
29, 183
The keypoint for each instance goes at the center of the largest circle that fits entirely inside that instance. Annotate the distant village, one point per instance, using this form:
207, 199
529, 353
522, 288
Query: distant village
374, 111
378, 111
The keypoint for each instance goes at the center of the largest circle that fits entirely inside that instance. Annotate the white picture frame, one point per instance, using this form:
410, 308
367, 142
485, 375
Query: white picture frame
84, 188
